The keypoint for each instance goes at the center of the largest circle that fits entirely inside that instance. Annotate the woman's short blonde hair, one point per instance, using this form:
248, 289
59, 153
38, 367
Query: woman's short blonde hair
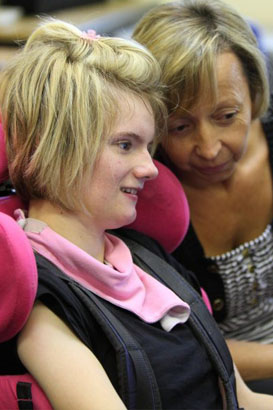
59, 101
187, 36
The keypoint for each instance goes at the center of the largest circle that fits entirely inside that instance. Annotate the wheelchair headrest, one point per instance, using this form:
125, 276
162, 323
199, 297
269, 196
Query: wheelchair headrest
4, 174
18, 274
8, 204
18, 277
162, 209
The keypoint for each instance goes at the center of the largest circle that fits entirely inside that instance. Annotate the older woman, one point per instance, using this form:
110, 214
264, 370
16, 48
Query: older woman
219, 144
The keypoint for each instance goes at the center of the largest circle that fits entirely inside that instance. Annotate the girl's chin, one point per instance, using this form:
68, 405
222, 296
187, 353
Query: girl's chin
124, 222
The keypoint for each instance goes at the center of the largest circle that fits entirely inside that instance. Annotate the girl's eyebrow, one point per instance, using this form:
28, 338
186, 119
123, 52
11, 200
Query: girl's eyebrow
133, 135
127, 134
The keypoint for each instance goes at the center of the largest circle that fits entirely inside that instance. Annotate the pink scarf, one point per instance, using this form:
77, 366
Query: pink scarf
118, 280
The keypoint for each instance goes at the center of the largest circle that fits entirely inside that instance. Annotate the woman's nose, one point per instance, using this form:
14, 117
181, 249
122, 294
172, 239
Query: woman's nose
208, 143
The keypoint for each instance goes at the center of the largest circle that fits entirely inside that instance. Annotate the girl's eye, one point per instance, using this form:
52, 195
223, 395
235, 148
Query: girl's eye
125, 145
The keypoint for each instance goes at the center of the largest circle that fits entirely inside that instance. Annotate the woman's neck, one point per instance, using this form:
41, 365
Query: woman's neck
76, 227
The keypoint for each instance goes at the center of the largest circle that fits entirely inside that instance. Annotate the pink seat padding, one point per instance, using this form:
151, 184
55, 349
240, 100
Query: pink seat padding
8, 204
18, 277
162, 209
8, 396
3, 158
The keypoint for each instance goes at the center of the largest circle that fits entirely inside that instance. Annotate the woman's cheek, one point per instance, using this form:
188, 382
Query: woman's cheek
178, 151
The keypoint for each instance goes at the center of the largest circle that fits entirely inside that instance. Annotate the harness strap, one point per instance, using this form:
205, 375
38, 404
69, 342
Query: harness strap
138, 386
24, 396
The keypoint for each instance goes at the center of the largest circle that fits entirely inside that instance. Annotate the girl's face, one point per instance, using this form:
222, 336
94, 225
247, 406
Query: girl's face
206, 143
123, 166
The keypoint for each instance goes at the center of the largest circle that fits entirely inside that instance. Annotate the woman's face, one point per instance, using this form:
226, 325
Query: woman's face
123, 166
206, 143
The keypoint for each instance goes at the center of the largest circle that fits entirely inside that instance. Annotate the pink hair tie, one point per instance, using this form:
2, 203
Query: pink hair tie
90, 35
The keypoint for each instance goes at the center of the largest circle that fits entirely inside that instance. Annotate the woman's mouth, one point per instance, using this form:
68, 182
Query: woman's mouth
215, 169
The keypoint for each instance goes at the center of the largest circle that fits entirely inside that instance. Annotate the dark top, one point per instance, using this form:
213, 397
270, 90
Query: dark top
191, 254
182, 368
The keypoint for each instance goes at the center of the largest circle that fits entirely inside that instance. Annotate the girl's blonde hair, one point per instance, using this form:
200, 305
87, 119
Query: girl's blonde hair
187, 36
59, 101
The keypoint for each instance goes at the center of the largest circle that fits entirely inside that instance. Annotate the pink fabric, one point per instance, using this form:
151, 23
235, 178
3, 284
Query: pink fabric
125, 285
162, 209
8, 397
18, 277
3, 158
8, 204
18, 285
206, 300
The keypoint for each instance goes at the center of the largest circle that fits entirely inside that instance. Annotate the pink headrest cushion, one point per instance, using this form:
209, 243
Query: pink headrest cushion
8, 393
162, 209
18, 277
10, 203
3, 158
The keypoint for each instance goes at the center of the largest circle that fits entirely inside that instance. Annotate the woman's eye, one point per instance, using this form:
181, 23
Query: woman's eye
227, 116
178, 129
181, 127
125, 145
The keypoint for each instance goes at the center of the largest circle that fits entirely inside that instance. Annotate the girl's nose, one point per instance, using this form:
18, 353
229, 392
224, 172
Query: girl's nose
147, 169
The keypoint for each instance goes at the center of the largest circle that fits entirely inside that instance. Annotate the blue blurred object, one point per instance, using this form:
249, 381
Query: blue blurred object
257, 30
258, 33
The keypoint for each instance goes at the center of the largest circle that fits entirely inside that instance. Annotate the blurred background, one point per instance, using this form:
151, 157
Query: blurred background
261, 14
18, 18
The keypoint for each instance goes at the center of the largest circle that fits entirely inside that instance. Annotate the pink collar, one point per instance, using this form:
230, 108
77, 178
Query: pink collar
119, 281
